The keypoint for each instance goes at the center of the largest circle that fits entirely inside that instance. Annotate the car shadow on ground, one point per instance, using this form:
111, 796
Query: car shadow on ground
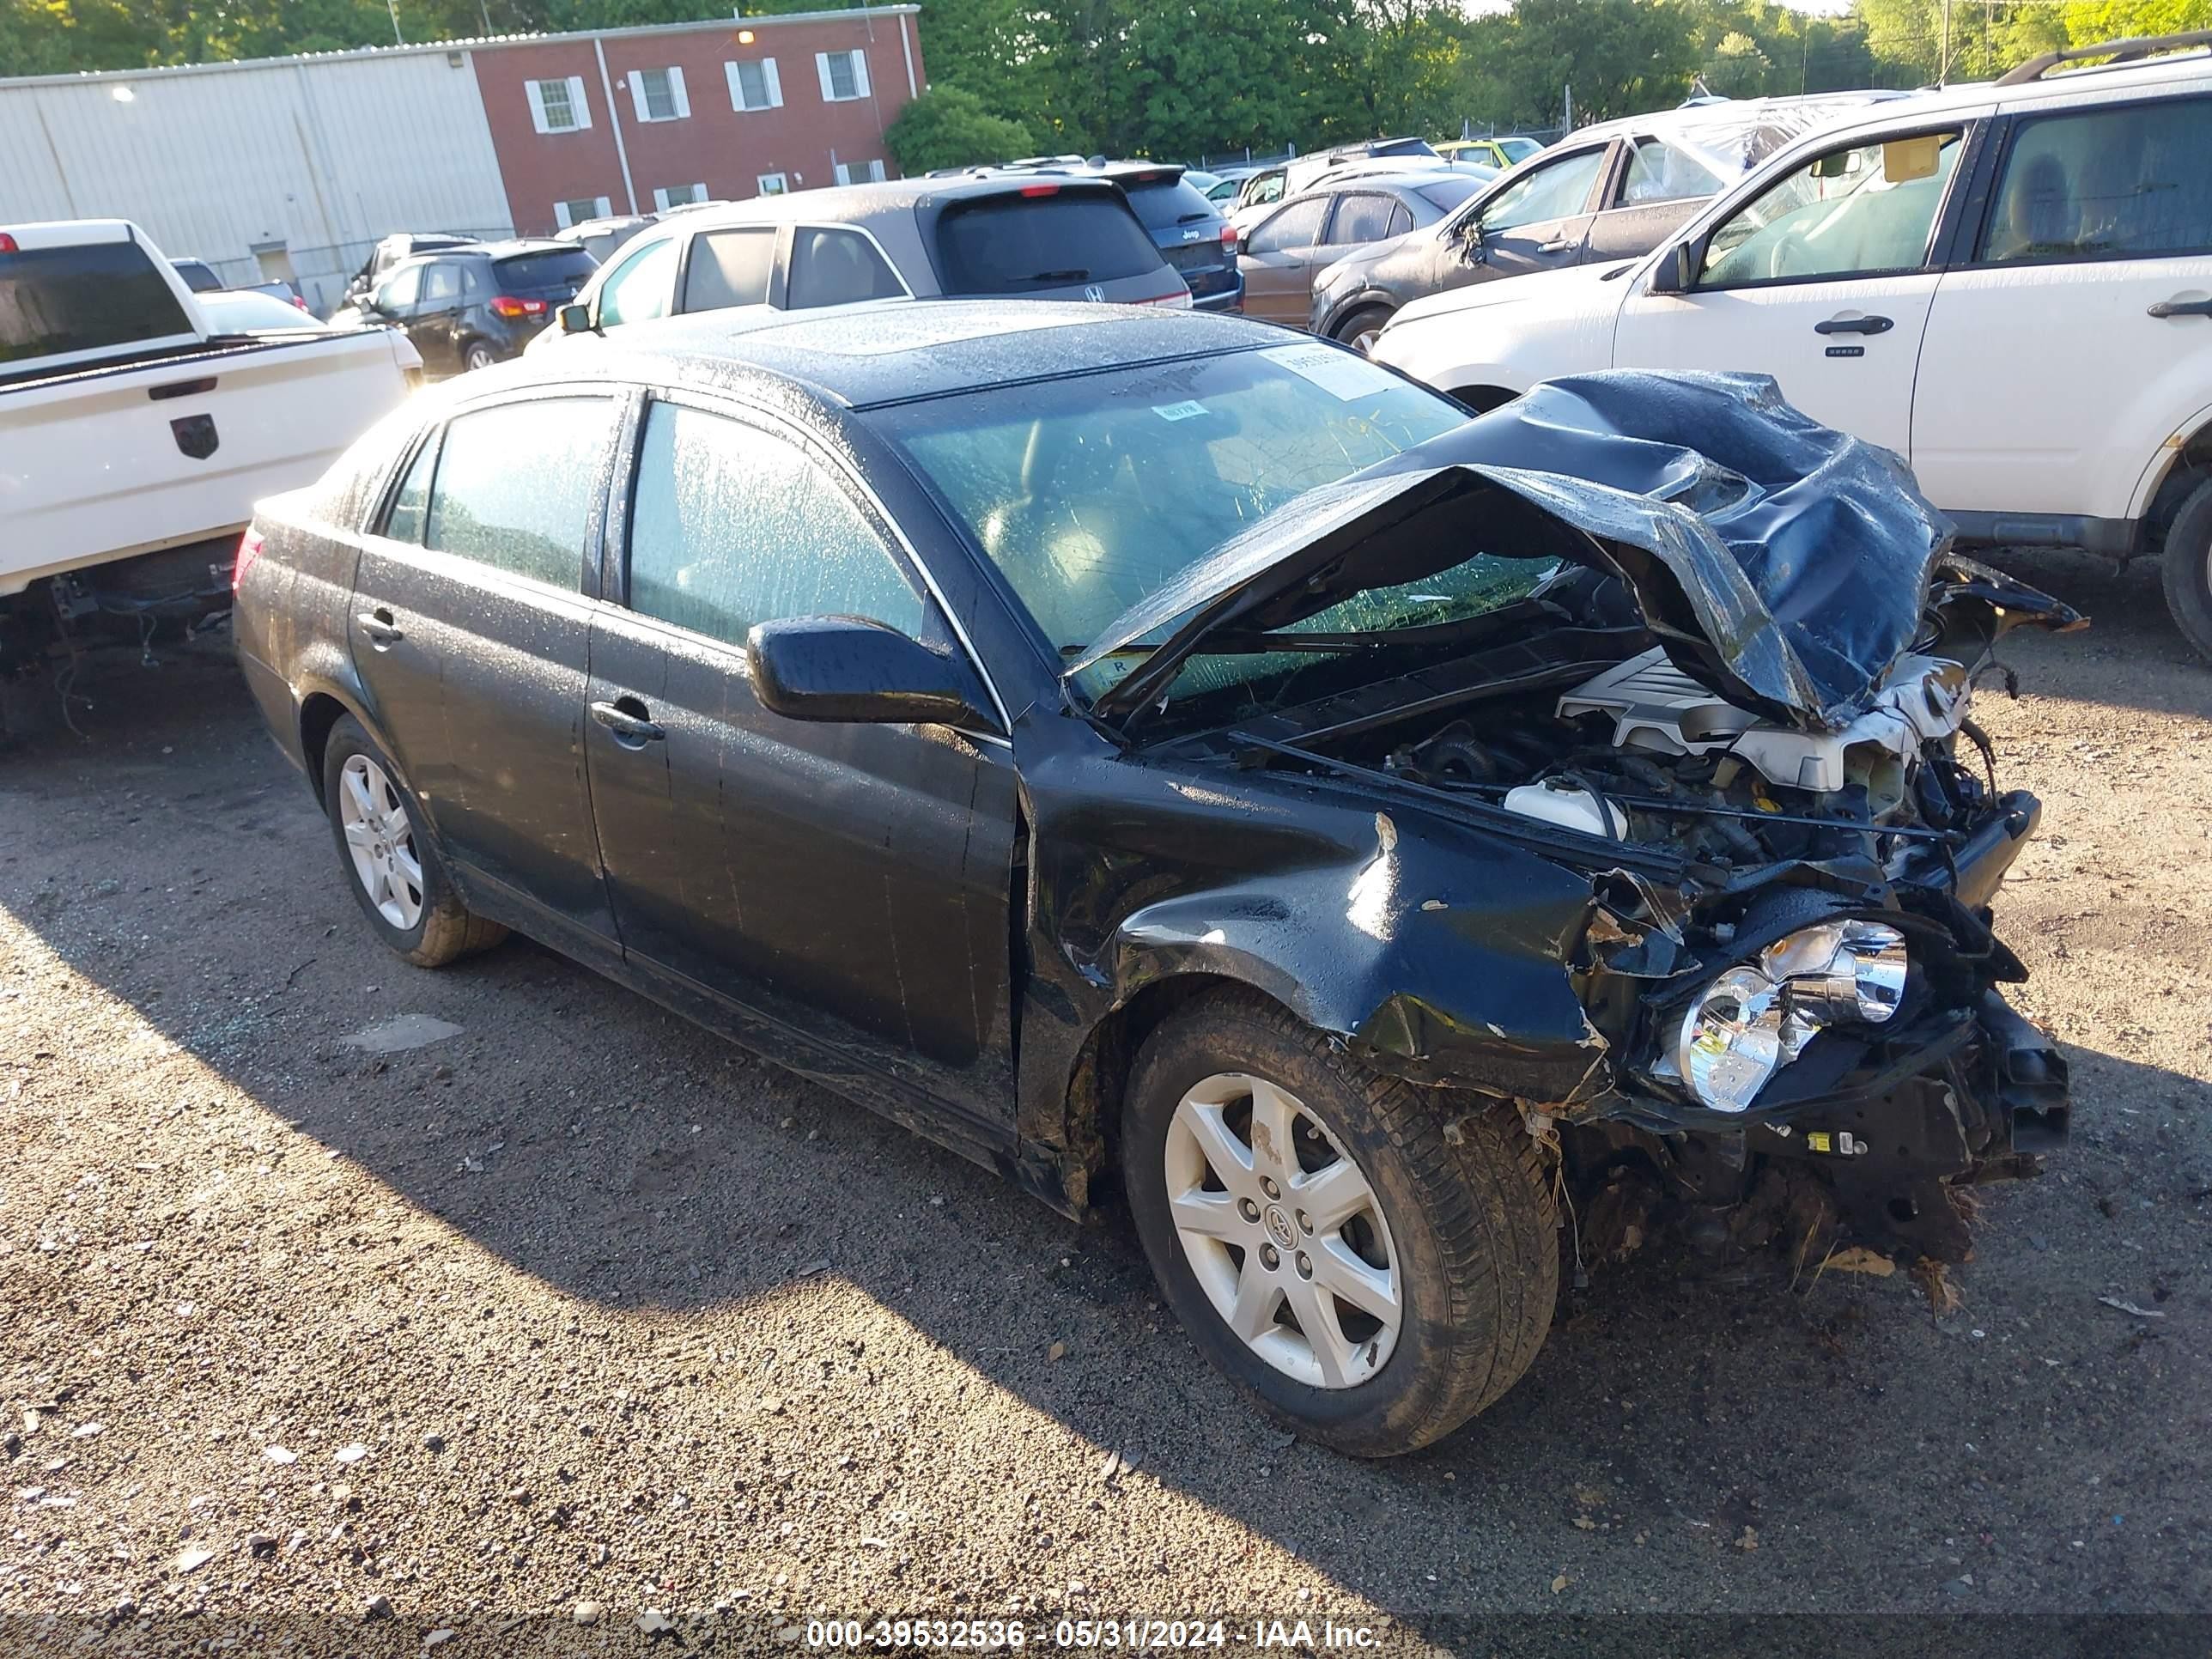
1682, 1415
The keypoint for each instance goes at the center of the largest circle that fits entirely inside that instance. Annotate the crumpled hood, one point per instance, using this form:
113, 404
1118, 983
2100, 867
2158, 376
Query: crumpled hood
1782, 564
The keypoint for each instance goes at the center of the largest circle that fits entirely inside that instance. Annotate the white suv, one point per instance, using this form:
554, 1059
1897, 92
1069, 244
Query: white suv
2009, 284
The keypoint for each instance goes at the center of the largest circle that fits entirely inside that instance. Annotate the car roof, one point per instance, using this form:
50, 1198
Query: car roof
2180, 70
1732, 114
856, 204
895, 350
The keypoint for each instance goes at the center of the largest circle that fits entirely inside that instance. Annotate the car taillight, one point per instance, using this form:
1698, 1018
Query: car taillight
300, 302
8, 243
249, 549
1040, 190
1229, 239
508, 306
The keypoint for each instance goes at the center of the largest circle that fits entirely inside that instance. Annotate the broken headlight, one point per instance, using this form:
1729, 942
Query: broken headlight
1756, 1018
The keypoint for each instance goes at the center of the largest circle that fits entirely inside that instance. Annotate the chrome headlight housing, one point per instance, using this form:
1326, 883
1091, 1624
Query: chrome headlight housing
1757, 1017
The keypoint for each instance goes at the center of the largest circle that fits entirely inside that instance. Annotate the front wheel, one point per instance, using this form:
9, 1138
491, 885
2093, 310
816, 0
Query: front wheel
1371, 1280
478, 356
1360, 330
2188, 568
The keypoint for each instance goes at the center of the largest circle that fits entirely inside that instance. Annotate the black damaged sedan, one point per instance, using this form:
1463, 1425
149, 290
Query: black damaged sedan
1180, 768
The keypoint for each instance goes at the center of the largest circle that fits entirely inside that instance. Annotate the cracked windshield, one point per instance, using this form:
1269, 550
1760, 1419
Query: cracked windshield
1067, 488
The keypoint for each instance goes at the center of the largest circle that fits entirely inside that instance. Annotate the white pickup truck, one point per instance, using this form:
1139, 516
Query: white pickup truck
134, 440
2008, 284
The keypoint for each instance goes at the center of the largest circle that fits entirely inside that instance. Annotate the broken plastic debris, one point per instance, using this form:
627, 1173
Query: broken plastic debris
2130, 1308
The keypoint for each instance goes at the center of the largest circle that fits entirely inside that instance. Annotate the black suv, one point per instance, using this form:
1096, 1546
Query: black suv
469, 307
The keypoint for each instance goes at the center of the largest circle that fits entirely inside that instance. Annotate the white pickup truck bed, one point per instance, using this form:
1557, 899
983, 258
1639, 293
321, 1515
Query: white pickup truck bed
127, 428
101, 464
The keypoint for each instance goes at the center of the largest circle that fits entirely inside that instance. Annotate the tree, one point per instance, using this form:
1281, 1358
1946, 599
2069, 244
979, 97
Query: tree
1737, 68
946, 127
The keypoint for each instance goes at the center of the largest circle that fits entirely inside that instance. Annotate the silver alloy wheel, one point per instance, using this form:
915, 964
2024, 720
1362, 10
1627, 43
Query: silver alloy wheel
381, 841
1363, 342
479, 357
1283, 1231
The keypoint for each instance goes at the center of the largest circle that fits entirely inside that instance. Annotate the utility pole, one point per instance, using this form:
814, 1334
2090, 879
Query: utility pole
392, 6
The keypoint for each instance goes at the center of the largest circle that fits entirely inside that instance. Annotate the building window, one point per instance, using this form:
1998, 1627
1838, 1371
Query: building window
676, 196
857, 172
583, 208
773, 184
558, 106
844, 76
658, 96
754, 85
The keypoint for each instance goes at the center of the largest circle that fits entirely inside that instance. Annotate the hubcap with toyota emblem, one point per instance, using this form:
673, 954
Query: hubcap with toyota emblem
1283, 1231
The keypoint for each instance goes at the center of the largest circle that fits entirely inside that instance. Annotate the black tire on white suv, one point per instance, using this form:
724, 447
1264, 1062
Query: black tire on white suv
2188, 568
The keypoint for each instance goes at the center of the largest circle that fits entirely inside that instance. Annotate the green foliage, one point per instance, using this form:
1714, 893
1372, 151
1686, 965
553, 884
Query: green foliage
1184, 77
946, 127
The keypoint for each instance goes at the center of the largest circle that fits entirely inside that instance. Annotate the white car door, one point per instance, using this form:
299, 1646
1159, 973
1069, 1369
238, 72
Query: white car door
1822, 280
2078, 337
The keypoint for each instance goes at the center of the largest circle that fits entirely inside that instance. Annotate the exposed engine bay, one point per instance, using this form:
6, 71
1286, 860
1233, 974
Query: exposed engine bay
1644, 753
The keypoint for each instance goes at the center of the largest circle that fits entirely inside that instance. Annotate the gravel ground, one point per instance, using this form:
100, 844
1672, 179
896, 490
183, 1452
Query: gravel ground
581, 1312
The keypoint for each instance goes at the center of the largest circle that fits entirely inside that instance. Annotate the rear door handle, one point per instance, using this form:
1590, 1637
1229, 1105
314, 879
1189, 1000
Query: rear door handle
2181, 308
630, 720
381, 626
1560, 246
1854, 326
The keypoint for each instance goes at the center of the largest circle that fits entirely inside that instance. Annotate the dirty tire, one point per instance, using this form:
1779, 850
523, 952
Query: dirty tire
1471, 1219
1368, 320
446, 930
478, 356
2188, 569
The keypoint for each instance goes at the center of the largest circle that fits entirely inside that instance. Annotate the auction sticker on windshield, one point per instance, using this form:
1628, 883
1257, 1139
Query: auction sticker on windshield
1343, 373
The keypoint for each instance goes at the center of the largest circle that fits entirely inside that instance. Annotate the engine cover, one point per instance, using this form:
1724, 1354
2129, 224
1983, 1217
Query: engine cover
1656, 707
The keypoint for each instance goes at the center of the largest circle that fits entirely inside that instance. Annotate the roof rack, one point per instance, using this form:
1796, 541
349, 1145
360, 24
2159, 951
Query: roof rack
2120, 52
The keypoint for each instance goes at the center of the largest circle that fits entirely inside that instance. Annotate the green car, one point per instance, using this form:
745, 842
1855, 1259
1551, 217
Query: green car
1499, 152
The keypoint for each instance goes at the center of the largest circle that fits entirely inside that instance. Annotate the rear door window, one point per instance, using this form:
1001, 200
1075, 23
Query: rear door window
1297, 226
516, 483
1016, 243
733, 525
85, 298
836, 267
729, 268
1660, 172
2134, 183
441, 283
404, 523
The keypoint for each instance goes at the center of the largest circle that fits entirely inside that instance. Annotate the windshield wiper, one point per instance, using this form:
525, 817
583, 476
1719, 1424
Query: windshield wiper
1193, 218
1055, 276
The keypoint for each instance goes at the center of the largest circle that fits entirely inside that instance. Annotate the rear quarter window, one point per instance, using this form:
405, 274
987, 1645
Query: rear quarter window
1022, 244
87, 298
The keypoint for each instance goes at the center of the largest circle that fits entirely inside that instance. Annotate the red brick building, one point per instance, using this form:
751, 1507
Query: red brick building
640, 119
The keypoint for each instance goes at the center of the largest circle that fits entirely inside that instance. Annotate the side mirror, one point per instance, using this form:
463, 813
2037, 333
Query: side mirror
575, 319
1677, 269
851, 670
1472, 248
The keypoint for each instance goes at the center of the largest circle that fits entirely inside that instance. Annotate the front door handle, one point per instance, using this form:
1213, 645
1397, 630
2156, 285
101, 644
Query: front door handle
1854, 326
2181, 308
381, 627
630, 720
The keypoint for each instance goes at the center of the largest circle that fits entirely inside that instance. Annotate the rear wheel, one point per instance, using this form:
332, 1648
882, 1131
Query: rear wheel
1367, 1279
1359, 331
478, 356
390, 860
2188, 568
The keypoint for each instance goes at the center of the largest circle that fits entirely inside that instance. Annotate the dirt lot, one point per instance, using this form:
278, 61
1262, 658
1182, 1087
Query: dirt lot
580, 1305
